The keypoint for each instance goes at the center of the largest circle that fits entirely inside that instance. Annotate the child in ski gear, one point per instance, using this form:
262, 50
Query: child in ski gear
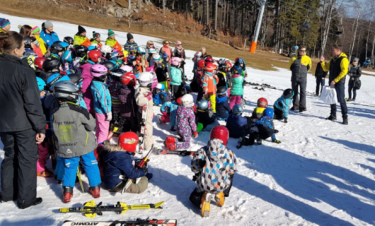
102, 101
112, 42
130, 43
354, 74
160, 96
185, 125
222, 106
214, 167
96, 39
74, 139
143, 98
80, 38
261, 130
169, 114
205, 118
140, 63
236, 90
209, 84
176, 75
282, 105
119, 167
240, 62
35, 31
237, 125
262, 104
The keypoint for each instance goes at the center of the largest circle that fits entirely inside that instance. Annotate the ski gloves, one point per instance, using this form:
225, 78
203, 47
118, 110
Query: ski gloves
149, 176
195, 134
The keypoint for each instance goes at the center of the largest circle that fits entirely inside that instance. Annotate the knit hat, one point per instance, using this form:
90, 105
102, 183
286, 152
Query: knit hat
81, 29
129, 36
48, 24
34, 29
4, 22
110, 33
95, 35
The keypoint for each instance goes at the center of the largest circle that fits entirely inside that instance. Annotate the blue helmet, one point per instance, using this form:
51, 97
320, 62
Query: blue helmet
56, 78
237, 69
165, 56
141, 50
240, 61
41, 83
114, 55
237, 109
67, 56
268, 112
64, 44
202, 105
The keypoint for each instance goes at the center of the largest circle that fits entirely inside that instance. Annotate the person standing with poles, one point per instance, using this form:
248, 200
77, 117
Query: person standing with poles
338, 69
320, 75
300, 65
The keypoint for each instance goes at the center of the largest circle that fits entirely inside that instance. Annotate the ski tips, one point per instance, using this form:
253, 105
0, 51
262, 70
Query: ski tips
159, 205
64, 210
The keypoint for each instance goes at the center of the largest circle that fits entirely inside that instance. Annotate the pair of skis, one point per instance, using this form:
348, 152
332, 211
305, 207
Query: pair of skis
138, 222
142, 134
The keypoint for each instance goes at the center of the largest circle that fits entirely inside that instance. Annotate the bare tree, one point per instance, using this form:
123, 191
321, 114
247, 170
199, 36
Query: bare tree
130, 4
216, 4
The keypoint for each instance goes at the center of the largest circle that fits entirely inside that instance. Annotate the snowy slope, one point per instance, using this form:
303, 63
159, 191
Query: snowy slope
321, 173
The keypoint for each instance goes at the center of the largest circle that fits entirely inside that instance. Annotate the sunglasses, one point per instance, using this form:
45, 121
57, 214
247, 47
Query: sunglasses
167, 43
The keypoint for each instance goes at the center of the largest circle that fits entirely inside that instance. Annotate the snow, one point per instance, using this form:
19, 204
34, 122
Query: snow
321, 174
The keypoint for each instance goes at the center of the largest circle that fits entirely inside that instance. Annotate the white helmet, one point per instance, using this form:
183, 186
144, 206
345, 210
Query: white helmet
152, 51
156, 57
126, 68
187, 100
159, 86
145, 79
106, 49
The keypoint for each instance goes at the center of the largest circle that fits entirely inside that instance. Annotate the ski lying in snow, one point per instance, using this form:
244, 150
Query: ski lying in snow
90, 209
181, 153
138, 222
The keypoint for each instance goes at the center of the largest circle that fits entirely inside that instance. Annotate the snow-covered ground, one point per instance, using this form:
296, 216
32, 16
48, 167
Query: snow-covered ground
321, 174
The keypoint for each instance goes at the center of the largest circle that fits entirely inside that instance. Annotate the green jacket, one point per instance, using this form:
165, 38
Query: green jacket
237, 89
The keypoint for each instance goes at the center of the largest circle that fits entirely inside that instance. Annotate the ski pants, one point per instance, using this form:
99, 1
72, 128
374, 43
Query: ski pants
278, 114
200, 94
43, 156
91, 168
59, 170
18, 168
165, 117
102, 127
234, 100
340, 91
320, 82
174, 91
212, 99
351, 88
137, 188
184, 142
302, 94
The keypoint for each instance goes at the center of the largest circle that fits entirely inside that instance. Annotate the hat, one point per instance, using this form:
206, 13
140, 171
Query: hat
81, 29
48, 24
4, 22
95, 34
34, 29
110, 33
130, 36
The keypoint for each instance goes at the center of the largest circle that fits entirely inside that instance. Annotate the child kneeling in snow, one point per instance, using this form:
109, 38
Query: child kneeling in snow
282, 105
214, 167
262, 104
260, 130
206, 119
119, 168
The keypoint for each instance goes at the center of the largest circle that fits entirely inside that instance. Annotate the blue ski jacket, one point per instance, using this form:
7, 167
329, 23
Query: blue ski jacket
49, 38
171, 108
101, 97
283, 104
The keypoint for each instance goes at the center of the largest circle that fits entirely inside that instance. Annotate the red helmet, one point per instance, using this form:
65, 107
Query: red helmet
201, 64
209, 59
120, 54
179, 101
221, 133
262, 102
128, 79
94, 55
210, 67
39, 62
128, 141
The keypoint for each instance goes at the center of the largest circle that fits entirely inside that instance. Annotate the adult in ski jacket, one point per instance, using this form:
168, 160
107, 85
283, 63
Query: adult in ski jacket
48, 35
354, 74
320, 76
143, 96
22, 123
237, 125
300, 66
166, 49
220, 164
282, 106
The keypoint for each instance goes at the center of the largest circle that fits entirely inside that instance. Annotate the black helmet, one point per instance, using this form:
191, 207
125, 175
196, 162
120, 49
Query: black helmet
56, 48
66, 90
110, 65
52, 65
68, 40
288, 93
80, 51
28, 41
222, 90
75, 78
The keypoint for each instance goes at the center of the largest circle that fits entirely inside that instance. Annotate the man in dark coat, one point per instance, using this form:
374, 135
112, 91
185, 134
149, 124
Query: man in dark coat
320, 75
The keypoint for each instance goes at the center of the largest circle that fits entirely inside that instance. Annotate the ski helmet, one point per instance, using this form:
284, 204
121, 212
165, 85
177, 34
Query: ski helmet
141, 50
152, 51
117, 73
128, 79
99, 71
187, 100
237, 70
51, 65
38, 62
237, 109
41, 83
262, 102
210, 67
240, 60
94, 55
175, 61
126, 68
160, 87
64, 44
80, 51
209, 59
268, 112
68, 40
75, 78
120, 54
28, 41
288, 93
222, 90
53, 79
156, 57
67, 56
106, 49
146, 79
111, 65
66, 90
201, 64
198, 54
57, 48
202, 105
114, 55
221, 133
128, 141
179, 101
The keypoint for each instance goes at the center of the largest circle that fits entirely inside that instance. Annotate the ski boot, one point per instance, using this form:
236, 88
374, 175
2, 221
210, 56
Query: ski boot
220, 199
258, 141
239, 143
331, 117
67, 194
45, 173
170, 143
205, 204
95, 191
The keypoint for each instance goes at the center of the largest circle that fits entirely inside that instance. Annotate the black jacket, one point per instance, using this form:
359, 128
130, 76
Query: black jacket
354, 73
319, 72
20, 106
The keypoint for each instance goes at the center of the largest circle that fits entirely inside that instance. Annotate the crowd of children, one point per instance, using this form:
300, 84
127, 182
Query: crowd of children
98, 101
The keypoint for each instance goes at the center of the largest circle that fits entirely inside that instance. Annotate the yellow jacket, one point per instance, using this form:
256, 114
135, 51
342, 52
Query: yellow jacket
79, 40
113, 43
300, 66
344, 65
42, 44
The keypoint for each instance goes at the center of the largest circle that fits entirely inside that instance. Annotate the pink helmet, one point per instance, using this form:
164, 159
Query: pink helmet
175, 61
127, 68
98, 70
